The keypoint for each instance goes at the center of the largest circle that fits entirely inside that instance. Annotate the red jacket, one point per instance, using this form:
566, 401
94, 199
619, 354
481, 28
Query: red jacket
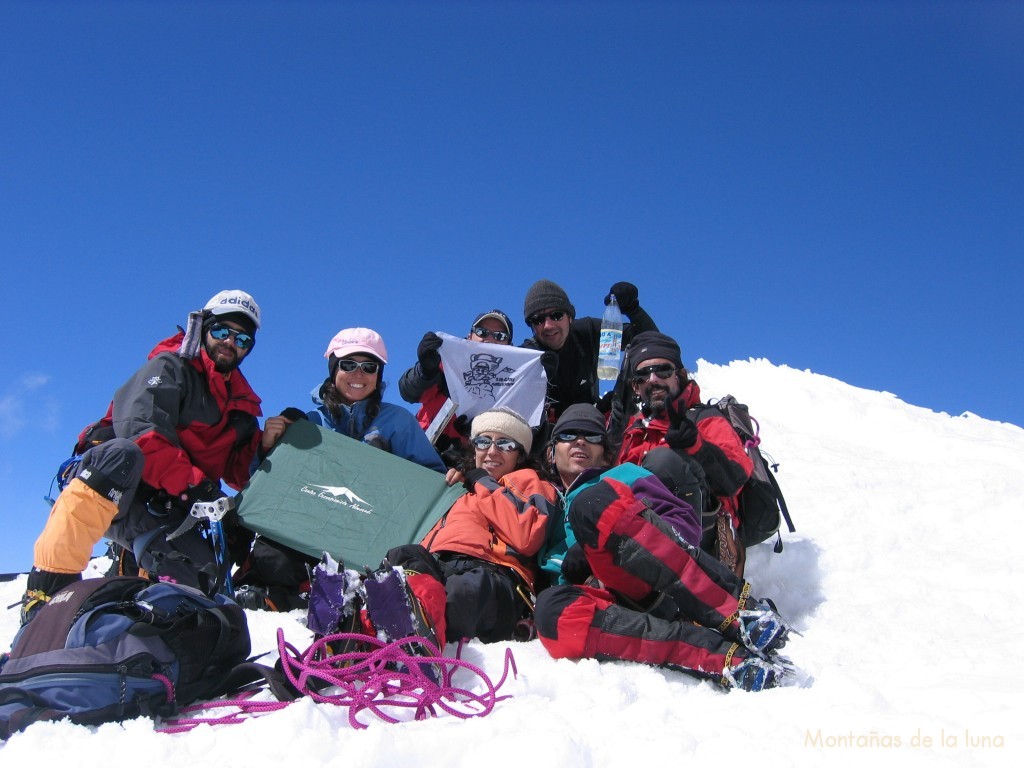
718, 448
502, 521
190, 422
430, 405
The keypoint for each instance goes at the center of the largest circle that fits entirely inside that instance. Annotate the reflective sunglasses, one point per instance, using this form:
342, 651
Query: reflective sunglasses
572, 437
242, 340
540, 317
483, 333
661, 370
368, 367
504, 444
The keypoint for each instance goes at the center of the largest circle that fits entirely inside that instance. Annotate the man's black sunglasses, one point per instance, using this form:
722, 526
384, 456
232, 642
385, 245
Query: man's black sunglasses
572, 437
662, 371
221, 332
540, 317
483, 333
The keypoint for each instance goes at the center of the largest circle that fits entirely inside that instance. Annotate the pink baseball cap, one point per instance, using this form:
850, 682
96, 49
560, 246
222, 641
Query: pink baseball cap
351, 341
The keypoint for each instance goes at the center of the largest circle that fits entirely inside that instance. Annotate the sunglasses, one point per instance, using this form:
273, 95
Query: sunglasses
504, 444
483, 333
572, 437
369, 367
242, 340
540, 317
662, 371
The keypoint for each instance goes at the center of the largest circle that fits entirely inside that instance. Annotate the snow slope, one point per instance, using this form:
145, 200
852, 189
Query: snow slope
903, 577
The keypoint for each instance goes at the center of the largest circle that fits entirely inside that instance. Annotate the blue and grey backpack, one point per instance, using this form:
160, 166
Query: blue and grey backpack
116, 648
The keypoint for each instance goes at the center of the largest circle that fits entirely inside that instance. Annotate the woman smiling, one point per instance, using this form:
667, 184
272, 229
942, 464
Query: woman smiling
350, 399
487, 542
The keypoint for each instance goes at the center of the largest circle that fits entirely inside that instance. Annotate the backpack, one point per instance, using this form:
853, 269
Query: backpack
112, 649
762, 506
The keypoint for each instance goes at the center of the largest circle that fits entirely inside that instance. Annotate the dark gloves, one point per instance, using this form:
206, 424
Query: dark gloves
463, 425
682, 433
239, 538
575, 568
207, 490
549, 360
294, 414
429, 357
626, 296
472, 477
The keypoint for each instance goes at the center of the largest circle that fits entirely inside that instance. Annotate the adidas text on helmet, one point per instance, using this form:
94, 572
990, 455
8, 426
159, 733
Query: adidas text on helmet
227, 302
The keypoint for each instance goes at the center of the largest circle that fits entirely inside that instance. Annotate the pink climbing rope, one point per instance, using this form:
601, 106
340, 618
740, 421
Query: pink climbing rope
382, 678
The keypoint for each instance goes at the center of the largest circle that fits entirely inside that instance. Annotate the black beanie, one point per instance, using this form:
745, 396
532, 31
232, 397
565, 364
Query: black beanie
651, 344
545, 294
583, 417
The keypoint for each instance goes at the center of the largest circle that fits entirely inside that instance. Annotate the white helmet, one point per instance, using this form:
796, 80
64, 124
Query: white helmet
229, 302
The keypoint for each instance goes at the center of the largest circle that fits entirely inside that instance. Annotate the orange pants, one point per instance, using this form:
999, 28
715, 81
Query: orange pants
78, 520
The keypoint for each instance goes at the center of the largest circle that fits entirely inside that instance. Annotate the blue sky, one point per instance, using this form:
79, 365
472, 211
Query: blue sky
831, 186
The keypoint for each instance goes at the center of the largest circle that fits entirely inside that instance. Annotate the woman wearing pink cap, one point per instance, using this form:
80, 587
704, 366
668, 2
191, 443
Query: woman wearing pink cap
349, 401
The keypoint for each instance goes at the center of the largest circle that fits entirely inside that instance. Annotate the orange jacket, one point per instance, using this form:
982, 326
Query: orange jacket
502, 521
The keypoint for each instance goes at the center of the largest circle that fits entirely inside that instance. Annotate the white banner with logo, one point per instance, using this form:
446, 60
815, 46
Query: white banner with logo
481, 376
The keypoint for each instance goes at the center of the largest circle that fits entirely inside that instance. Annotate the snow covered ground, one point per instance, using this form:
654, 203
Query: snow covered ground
904, 577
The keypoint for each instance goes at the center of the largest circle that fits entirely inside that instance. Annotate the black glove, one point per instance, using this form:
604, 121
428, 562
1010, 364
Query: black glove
294, 414
575, 567
472, 477
207, 490
682, 433
549, 361
626, 296
429, 357
463, 424
239, 538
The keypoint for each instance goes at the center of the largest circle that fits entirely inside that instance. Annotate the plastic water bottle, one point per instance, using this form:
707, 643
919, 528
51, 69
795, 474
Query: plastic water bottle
610, 346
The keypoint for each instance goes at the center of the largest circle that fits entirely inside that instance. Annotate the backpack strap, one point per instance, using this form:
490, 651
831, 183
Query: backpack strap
250, 675
20, 708
782, 501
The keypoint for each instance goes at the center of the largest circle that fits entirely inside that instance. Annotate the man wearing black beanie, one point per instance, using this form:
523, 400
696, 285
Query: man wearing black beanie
671, 416
570, 344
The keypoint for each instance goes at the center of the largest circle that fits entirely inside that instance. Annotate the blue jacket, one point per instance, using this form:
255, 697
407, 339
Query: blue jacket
394, 425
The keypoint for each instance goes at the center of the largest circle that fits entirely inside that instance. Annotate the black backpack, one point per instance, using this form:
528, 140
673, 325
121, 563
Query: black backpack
762, 507
115, 648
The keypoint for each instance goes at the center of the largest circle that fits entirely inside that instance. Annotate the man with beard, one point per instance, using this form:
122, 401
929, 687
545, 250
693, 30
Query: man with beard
570, 344
670, 416
185, 420
627, 581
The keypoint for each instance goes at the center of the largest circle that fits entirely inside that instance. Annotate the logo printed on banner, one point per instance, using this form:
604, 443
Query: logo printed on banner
485, 375
339, 494
482, 376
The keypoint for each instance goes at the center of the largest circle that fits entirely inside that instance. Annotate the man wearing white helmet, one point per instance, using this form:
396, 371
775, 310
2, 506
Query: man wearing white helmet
184, 421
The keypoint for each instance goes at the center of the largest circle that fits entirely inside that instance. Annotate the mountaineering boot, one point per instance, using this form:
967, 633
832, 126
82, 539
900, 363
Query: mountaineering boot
396, 613
757, 674
40, 589
761, 628
334, 598
254, 598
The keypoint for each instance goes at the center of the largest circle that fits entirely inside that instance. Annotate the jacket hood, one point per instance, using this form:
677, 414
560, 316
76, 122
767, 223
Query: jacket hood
240, 387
